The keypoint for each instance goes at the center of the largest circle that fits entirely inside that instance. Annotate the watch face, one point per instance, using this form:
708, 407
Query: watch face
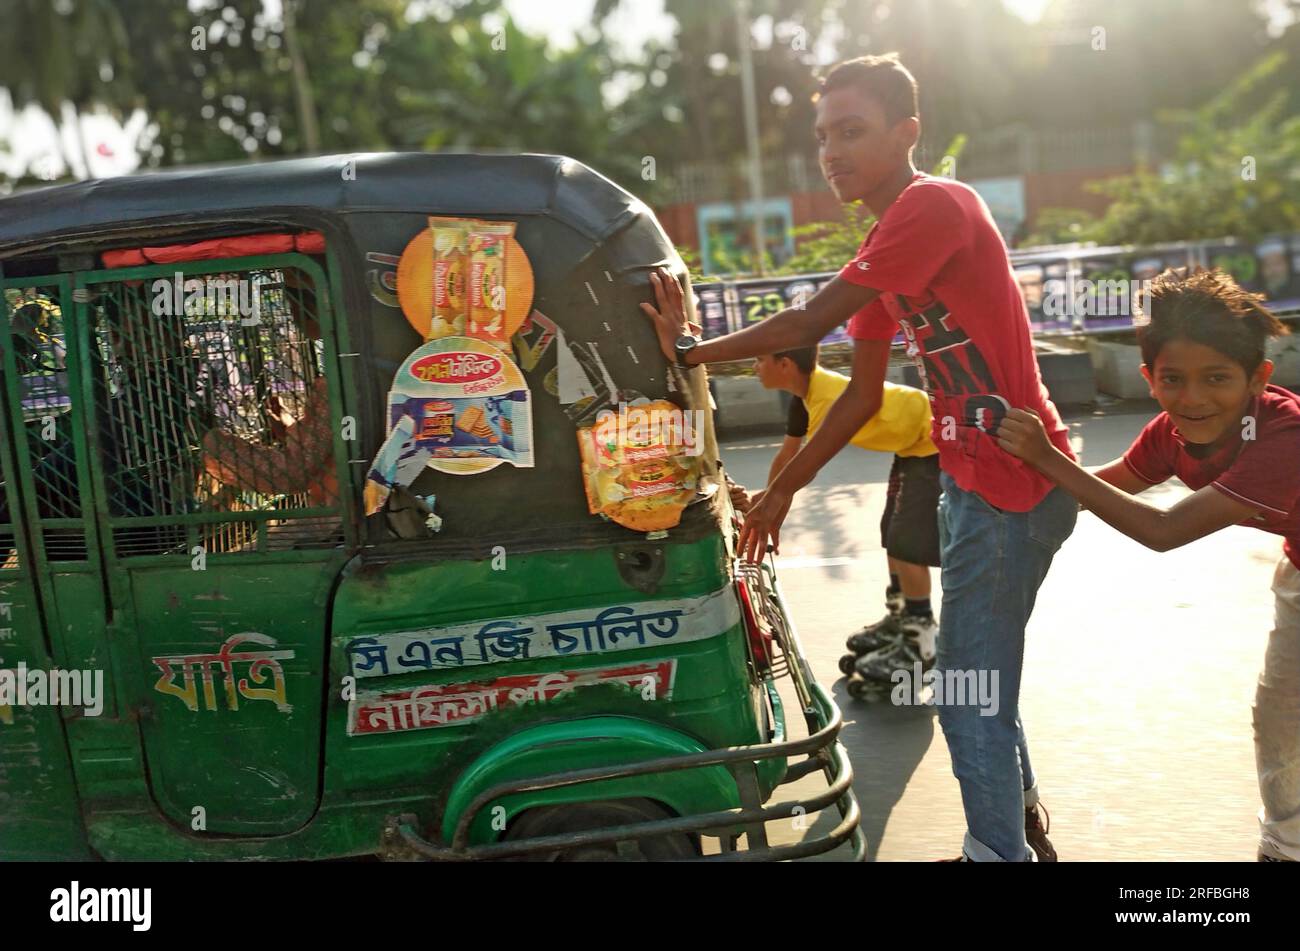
686, 341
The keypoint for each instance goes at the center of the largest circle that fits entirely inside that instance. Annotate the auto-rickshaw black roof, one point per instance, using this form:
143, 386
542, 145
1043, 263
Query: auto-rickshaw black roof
446, 183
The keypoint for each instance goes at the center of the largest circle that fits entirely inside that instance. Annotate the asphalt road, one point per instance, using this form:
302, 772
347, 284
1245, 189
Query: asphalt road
1139, 673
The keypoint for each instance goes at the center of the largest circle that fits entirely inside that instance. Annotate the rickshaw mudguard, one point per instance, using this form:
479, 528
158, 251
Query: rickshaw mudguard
404, 841
558, 747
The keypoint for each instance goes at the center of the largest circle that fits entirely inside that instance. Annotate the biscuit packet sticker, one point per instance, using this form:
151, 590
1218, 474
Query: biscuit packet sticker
638, 475
487, 282
457, 405
450, 270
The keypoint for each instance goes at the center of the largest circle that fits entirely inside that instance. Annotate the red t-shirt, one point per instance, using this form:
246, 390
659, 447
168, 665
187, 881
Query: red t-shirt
944, 276
1263, 471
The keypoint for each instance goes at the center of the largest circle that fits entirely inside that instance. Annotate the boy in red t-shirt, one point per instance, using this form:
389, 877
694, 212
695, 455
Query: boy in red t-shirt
1235, 440
936, 265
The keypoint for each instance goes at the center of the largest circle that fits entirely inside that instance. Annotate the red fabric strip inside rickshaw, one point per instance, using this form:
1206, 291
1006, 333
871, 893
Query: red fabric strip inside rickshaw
306, 242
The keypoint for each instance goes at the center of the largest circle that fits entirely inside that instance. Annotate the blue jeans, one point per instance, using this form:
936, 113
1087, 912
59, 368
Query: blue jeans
993, 564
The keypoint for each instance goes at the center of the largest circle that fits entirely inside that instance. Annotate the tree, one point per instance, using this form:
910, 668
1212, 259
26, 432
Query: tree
685, 104
368, 77
1236, 172
57, 52
1061, 226
302, 92
1134, 59
219, 80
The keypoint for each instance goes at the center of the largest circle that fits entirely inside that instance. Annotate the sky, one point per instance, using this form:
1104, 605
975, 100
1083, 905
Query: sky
560, 19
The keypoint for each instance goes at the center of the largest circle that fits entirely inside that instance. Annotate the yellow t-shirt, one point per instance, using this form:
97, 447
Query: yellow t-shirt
902, 425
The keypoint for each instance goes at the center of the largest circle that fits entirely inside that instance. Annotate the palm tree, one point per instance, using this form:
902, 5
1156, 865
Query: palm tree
64, 51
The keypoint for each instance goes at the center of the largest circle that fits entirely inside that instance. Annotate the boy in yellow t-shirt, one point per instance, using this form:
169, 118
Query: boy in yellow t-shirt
909, 528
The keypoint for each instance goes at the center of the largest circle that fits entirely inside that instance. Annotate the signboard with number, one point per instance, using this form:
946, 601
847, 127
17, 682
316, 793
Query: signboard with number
1067, 291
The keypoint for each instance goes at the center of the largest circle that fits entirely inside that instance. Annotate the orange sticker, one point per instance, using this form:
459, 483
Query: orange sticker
416, 280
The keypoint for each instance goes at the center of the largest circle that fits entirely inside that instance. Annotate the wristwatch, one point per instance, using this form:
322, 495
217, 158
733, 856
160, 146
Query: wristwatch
684, 345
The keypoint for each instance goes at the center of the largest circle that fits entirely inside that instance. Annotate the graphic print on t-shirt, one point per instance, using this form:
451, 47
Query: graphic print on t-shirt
950, 365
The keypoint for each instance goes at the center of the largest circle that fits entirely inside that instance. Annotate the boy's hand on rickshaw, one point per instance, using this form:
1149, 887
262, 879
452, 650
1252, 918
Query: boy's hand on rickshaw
670, 315
763, 521
741, 500
1021, 433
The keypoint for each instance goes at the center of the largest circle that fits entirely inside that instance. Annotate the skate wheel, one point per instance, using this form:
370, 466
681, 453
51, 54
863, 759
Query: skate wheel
869, 691
847, 664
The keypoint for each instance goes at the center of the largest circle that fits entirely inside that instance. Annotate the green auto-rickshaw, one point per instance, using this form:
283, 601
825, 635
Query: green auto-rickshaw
328, 530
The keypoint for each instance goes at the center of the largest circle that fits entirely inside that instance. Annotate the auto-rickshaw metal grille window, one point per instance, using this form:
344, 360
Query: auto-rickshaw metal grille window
9, 516
211, 398
8, 549
38, 339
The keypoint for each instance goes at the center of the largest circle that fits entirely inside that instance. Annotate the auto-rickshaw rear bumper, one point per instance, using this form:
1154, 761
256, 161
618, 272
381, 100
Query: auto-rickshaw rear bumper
822, 749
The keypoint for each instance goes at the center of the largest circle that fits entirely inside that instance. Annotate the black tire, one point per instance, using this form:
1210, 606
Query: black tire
848, 663
583, 816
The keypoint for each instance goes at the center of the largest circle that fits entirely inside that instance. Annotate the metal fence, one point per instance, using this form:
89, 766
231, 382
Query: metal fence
1067, 290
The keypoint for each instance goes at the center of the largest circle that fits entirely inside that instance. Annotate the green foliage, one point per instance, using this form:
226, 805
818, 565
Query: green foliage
694, 267
739, 262
827, 245
1236, 171
1061, 226
460, 77
463, 79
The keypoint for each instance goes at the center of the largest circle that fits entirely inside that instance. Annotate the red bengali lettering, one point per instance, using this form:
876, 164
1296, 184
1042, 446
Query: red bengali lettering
458, 703
455, 368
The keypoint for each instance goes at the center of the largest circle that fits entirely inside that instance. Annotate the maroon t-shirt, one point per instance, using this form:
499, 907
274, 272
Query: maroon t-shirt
1263, 471
942, 269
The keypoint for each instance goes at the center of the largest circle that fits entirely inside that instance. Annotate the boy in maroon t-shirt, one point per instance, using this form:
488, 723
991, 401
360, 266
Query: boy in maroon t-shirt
1235, 440
935, 264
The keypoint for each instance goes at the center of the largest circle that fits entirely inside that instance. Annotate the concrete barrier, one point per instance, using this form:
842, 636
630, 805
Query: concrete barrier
1285, 354
1117, 367
743, 405
1067, 374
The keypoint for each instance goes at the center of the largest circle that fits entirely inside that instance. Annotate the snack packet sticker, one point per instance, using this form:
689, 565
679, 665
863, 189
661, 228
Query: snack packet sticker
450, 267
487, 284
641, 477
457, 405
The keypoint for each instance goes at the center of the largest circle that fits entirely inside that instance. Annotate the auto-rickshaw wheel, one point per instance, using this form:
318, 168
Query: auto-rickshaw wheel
584, 816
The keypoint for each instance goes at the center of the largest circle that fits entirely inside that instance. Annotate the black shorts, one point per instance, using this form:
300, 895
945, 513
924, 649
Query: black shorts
909, 529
